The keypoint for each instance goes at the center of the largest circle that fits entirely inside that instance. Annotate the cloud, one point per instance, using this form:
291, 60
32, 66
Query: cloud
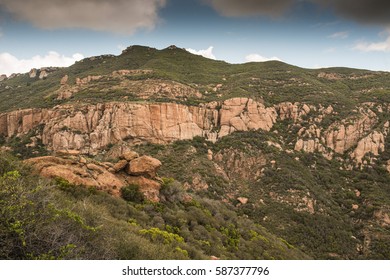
383, 46
239, 8
254, 57
121, 47
10, 64
208, 53
119, 16
364, 11
339, 35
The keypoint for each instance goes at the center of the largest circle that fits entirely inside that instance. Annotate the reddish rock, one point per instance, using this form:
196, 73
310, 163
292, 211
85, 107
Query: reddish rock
120, 165
243, 200
144, 165
130, 155
64, 80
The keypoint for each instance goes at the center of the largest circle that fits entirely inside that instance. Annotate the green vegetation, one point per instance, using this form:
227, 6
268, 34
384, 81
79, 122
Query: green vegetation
273, 81
278, 199
56, 220
300, 205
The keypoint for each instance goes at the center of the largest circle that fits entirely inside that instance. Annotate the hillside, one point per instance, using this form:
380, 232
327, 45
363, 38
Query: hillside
251, 161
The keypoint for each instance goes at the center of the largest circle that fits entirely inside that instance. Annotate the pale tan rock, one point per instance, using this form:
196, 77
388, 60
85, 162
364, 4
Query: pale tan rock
68, 152
130, 155
355, 207
78, 174
83, 160
209, 154
43, 74
144, 165
64, 80
243, 200
357, 193
382, 217
329, 76
94, 167
373, 143
33, 73
120, 165
198, 184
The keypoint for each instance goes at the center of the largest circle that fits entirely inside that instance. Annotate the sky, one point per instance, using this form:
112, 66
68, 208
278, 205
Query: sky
306, 33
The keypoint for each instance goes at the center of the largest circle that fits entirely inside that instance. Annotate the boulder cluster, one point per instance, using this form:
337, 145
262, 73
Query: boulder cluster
130, 168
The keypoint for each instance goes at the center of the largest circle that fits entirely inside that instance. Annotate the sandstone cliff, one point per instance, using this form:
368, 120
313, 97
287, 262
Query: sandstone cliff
90, 128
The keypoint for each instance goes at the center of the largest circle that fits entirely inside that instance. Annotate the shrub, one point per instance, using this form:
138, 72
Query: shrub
132, 193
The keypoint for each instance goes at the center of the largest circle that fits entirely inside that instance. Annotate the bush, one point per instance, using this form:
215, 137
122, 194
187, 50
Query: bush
132, 193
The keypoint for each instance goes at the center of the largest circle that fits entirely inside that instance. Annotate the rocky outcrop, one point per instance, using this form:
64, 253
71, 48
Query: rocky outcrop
342, 136
42, 73
33, 73
92, 127
294, 111
64, 80
373, 143
243, 114
329, 76
102, 176
145, 165
91, 175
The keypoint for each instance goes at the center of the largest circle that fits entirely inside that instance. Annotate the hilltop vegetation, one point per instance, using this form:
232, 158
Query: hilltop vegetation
272, 82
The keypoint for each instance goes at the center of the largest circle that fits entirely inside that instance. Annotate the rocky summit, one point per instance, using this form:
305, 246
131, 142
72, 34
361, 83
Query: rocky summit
266, 160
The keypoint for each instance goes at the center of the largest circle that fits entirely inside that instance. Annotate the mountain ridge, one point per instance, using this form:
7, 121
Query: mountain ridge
304, 153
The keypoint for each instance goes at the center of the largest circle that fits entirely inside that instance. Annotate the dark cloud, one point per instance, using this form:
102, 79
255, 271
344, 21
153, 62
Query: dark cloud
364, 11
239, 8
120, 16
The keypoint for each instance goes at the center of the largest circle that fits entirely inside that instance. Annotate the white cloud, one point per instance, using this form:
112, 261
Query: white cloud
383, 46
208, 53
119, 16
10, 64
339, 35
254, 57
121, 47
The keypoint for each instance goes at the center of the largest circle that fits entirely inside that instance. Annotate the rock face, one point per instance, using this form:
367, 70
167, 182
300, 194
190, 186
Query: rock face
373, 143
33, 73
101, 175
355, 132
342, 136
90, 128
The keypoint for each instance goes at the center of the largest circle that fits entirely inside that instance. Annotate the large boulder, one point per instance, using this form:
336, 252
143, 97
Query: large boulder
145, 166
120, 165
129, 155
